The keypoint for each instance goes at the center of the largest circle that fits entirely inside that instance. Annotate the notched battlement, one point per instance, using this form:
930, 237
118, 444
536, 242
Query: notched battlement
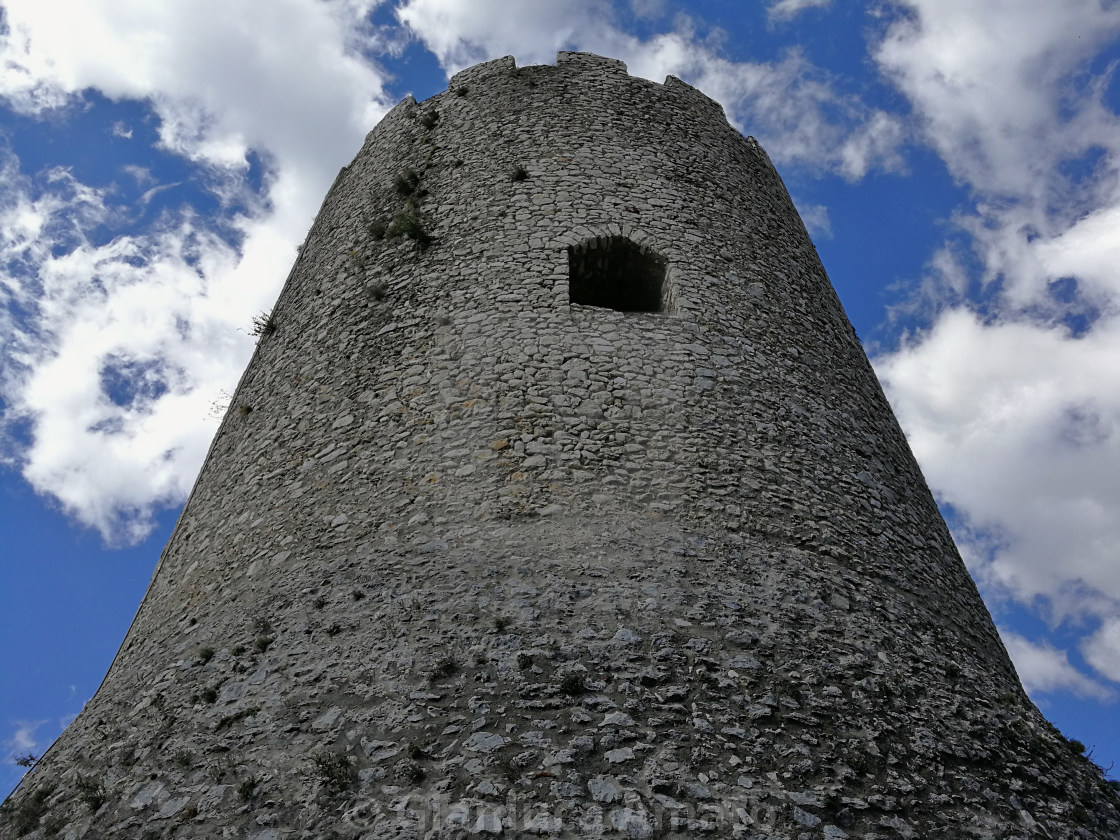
591, 61
583, 63
698, 97
497, 66
401, 111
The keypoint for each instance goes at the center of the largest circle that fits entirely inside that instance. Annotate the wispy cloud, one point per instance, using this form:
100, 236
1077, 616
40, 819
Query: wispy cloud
111, 449
816, 219
222, 77
1102, 650
22, 739
788, 9
1044, 669
648, 8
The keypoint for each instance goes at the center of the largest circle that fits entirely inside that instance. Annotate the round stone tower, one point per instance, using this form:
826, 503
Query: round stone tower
559, 498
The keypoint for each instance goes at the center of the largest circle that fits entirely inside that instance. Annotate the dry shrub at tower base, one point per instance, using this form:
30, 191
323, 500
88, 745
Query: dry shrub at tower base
559, 499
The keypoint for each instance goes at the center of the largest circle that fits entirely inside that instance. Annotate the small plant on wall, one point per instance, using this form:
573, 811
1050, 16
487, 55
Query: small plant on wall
91, 792
409, 224
407, 183
264, 325
335, 772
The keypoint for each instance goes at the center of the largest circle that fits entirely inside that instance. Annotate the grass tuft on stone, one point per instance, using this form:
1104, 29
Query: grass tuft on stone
264, 325
90, 791
408, 224
334, 771
248, 787
445, 668
407, 183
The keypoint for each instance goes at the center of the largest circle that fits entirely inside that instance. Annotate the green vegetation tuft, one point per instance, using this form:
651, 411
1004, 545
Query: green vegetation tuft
335, 771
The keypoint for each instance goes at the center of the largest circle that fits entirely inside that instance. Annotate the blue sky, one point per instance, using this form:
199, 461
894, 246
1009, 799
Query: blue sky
956, 163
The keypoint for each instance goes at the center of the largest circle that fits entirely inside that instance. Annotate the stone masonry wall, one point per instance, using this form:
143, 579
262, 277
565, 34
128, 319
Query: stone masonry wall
467, 559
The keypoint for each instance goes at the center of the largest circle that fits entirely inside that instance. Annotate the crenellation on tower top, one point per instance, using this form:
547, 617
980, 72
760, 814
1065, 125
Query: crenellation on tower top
590, 62
494, 67
700, 100
574, 65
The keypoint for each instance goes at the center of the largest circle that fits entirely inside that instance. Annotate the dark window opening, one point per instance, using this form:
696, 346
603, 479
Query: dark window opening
615, 273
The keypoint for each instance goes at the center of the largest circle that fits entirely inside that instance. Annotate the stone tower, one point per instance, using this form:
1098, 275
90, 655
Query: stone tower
559, 498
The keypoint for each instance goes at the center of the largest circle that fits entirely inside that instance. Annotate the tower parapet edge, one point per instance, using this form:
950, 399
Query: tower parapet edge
480, 548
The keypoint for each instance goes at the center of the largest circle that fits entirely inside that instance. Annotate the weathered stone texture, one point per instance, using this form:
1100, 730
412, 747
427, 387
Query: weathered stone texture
466, 559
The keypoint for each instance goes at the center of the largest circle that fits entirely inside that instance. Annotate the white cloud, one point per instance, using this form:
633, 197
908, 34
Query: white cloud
788, 9
1044, 669
224, 76
648, 8
790, 105
792, 108
22, 740
994, 83
108, 318
1001, 92
462, 33
1012, 404
1102, 650
816, 219
122, 346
